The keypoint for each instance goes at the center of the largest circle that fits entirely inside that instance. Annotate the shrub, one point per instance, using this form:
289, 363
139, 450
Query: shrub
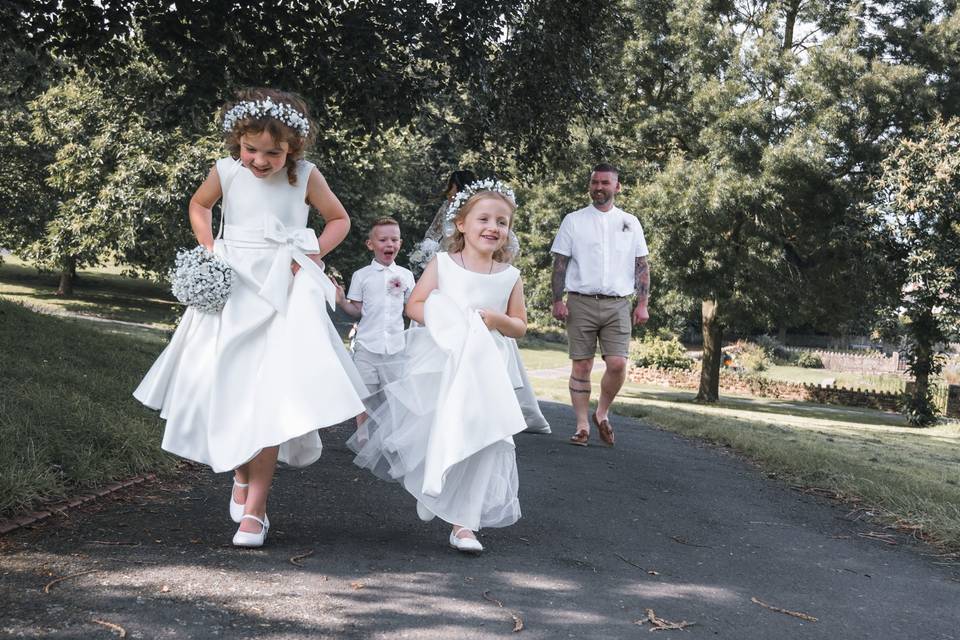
809, 360
752, 357
660, 353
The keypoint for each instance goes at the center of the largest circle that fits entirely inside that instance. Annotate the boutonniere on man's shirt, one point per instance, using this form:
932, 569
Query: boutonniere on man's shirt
395, 286
626, 226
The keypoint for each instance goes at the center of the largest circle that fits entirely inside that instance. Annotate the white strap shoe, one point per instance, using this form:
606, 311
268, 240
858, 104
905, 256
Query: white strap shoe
236, 508
465, 545
247, 539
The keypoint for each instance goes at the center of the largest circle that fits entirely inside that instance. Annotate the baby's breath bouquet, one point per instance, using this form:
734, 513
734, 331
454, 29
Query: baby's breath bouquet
423, 253
201, 279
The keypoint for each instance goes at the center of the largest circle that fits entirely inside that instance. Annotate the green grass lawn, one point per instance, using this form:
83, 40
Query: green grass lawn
540, 354
102, 292
67, 417
878, 381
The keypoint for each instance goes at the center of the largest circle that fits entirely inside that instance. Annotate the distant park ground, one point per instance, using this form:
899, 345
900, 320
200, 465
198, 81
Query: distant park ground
68, 421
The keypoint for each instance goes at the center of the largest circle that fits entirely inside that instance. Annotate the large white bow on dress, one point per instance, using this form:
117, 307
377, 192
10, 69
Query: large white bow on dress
293, 245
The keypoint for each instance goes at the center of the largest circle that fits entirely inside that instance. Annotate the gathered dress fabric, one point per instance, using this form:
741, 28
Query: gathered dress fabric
536, 422
444, 429
269, 369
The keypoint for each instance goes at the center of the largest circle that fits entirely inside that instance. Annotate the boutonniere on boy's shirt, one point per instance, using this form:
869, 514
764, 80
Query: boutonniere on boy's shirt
395, 286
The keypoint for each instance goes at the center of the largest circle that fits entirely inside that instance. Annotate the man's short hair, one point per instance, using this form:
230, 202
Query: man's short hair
605, 167
382, 222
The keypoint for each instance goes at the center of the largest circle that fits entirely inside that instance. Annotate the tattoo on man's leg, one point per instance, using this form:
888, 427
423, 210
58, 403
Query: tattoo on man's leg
579, 380
575, 390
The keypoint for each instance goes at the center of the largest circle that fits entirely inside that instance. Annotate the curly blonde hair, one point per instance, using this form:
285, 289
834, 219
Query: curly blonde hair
456, 241
278, 130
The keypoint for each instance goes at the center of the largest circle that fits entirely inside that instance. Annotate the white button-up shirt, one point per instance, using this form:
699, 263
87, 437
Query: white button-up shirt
603, 248
383, 292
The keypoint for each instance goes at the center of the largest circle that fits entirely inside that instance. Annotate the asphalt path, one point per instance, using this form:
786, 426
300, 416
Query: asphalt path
659, 523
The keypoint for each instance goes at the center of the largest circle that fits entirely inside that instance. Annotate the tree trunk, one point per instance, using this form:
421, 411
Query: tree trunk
67, 275
712, 354
790, 21
921, 358
782, 334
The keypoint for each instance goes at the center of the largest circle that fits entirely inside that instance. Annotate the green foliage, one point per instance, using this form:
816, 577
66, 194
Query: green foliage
660, 353
809, 360
917, 203
753, 357
774, 349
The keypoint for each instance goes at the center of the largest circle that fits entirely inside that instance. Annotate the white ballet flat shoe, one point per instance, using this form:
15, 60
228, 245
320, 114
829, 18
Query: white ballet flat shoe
465, 545
247, 539
423, 513
236, 508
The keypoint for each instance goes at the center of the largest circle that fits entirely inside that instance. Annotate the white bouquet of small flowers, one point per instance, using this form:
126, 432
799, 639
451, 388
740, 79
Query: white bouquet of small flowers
201, 279
423, 253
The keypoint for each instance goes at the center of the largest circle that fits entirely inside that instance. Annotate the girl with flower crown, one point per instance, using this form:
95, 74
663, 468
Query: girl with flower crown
250, 385
445, 430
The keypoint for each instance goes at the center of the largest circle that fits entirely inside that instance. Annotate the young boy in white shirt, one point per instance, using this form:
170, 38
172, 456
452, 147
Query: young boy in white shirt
377, 295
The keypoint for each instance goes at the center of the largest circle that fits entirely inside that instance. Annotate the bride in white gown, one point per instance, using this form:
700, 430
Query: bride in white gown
445, 429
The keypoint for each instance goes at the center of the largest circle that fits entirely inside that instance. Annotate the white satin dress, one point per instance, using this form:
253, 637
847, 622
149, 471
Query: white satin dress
444, 430
269, 369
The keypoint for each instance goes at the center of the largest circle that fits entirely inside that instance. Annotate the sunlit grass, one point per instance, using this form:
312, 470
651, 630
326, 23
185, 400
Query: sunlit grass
103, 292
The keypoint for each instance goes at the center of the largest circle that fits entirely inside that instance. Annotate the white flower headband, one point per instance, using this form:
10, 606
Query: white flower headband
468, 192
263, 108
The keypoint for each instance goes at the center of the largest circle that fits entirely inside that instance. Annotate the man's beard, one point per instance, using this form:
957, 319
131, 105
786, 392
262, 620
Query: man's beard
601, 199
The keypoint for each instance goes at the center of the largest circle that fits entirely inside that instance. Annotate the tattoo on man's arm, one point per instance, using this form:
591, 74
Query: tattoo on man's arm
559, 279
641, 278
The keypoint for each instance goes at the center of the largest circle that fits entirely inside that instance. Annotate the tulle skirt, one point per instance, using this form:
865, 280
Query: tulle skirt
411, 424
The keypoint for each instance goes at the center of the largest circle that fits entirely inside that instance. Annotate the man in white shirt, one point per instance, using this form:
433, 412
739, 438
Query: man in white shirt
600, 259
377, 295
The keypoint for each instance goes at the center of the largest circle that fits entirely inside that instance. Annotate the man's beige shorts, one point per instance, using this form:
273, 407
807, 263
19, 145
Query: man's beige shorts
591, 319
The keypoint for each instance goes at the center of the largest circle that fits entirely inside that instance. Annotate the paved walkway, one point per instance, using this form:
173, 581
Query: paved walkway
658, 523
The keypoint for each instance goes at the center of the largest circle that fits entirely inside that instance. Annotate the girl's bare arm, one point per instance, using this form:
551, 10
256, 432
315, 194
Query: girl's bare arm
201, 208
427, 283
334, 215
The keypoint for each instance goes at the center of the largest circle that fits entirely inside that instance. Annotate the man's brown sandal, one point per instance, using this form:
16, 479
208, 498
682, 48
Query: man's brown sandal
580, 438
605, 430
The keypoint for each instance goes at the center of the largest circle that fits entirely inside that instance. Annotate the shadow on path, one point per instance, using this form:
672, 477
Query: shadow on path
659, 522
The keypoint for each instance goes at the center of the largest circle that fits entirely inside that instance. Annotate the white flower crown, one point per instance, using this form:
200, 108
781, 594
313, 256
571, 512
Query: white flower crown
264, 108
468, 192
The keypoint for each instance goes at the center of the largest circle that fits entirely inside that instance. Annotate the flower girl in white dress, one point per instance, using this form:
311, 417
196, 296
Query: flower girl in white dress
445, 429
252, 383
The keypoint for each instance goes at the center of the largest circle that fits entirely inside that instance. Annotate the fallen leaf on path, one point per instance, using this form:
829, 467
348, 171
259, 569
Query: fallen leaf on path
164, 589
295, 560
795, 614
659, 624
46, 589
113, 627
357, 585
517, 620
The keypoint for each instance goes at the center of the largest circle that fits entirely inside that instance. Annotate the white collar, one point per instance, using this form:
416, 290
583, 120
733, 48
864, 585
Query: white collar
592, 208
379, 267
